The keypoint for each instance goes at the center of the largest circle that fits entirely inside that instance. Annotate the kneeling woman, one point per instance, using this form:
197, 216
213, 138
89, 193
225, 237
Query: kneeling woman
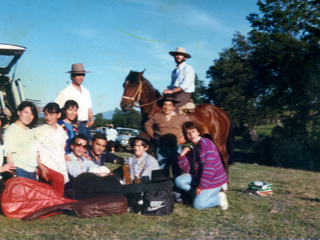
203, 170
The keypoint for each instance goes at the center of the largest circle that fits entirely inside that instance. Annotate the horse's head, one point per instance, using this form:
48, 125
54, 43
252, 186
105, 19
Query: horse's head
132, 90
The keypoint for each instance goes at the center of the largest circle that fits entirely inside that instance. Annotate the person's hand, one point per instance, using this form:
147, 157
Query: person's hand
168, 91
185, 151
198, 191
67, 158
9, 167
44, 173
90, 123
86, 156
181, 140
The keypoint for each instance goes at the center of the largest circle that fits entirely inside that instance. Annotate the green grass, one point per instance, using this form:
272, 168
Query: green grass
265, 130
292, 212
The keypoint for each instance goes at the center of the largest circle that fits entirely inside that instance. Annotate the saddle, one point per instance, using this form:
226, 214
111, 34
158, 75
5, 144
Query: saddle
189, 107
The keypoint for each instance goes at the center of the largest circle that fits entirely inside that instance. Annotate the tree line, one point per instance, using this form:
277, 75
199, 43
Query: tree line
272, 72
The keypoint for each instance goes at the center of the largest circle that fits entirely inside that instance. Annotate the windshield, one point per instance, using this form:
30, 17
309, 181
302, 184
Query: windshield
128, 132
5, 60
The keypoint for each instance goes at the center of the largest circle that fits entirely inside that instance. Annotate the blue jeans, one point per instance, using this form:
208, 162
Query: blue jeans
207, 198
22, 173
84, 129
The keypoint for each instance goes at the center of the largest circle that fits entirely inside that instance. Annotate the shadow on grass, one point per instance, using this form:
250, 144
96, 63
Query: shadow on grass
311, 199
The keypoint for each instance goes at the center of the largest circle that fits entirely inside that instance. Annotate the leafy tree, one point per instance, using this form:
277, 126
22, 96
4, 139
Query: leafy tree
99, 120
130, 119
230, 75
198, 96
285, 58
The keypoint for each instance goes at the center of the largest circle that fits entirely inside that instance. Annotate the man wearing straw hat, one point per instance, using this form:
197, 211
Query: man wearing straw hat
182, 78
75, 91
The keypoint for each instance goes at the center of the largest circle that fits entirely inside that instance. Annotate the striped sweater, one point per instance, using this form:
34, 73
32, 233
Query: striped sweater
208, 169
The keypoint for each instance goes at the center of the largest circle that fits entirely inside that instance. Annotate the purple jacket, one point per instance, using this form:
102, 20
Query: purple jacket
208, 169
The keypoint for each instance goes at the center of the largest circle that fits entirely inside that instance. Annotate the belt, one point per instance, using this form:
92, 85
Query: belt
82, 121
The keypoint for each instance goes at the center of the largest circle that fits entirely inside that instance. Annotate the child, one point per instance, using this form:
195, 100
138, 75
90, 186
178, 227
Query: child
68, 120
141, 163
21, 144
51, 140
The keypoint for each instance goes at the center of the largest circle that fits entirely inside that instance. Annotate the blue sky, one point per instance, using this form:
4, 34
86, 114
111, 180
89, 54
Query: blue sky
112, 37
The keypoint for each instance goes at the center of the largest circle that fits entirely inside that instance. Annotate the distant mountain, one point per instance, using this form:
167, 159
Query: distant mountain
108, 114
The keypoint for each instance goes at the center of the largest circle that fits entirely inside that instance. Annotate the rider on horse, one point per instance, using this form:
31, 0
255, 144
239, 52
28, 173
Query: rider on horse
182, 78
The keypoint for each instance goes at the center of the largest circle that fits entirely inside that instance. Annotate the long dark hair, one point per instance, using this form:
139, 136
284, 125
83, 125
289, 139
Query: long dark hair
69, 103
34, 111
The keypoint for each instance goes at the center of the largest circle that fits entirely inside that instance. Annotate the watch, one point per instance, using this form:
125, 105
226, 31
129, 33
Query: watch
174, 90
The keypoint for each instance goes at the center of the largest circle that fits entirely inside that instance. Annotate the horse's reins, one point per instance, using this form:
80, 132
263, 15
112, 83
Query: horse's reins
138, 92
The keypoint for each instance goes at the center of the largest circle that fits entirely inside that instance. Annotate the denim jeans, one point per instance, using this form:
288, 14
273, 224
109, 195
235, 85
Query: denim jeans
207, 198
84, 129
22, 173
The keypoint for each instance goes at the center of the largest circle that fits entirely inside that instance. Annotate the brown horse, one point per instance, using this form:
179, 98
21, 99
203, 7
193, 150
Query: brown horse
211, 120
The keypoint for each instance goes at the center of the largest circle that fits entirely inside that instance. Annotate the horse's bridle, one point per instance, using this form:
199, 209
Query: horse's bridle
138, 93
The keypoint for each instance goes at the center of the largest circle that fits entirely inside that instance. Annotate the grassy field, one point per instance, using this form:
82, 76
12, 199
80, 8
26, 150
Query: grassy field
292, 212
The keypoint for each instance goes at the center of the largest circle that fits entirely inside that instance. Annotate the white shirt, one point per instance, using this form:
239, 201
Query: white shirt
82, 98
112, 134
51, 144
183, 76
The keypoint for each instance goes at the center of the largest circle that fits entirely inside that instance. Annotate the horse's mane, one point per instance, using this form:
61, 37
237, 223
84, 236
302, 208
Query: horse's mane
133, 78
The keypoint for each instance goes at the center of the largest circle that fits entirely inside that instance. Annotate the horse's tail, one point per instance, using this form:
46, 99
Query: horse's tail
230, 141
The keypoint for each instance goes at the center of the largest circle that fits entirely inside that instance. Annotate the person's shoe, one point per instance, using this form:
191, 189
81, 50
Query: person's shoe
223, 201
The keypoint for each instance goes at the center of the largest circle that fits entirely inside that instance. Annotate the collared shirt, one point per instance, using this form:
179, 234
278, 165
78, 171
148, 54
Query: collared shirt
22, 144
183, 76
112, 134
158, 125
74, 168
51, 145
82, 98
144, 165
104, 158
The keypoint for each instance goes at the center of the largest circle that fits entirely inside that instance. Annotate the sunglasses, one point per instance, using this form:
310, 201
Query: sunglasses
81, 145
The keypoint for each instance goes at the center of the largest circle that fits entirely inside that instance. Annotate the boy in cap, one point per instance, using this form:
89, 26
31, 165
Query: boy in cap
141, 163
182, 78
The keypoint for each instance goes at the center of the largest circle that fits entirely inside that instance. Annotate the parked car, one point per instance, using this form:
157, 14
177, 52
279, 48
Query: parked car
124, 134
11, 90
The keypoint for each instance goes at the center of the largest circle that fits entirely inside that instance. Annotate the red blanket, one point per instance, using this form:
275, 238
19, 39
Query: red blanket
23, 196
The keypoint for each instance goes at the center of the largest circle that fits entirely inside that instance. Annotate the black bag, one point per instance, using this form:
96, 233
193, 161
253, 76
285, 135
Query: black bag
158, 203
155, 201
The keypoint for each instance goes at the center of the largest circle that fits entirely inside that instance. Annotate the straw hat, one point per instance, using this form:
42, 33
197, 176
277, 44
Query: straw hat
77, 68
180, 50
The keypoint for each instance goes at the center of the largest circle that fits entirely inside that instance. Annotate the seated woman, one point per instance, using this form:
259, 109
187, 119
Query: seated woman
141, 164
68, 120
21, 144
51, 140
204, 173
